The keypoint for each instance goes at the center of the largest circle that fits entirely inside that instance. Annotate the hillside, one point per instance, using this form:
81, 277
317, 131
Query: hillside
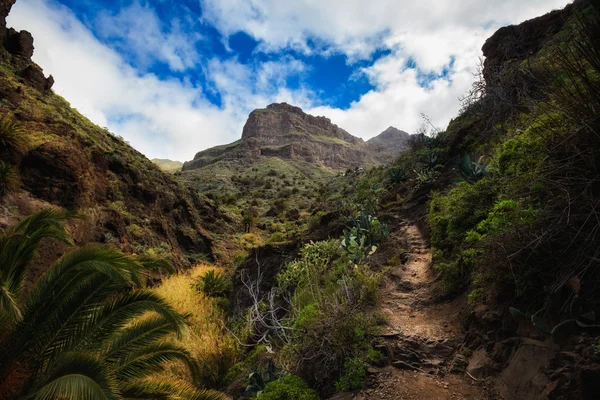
66, 161
167, 165
310, 264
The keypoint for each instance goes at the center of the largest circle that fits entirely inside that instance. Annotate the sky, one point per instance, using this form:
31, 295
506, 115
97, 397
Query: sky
177, 77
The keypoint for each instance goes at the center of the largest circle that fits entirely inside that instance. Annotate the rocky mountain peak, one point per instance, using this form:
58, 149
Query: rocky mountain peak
392, 141
286, 131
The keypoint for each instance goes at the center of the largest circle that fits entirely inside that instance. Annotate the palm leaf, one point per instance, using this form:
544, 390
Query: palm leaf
75, 376
151, 359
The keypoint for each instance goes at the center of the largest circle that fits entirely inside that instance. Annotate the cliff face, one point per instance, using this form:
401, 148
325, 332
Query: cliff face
517, 42
74, 164
285, 131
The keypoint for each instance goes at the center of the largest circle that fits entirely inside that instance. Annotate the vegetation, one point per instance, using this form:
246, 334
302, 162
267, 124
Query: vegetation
80, 332
207, 340
288, 387
523, 222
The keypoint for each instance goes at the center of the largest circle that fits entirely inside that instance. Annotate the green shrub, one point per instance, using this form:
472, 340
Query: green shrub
353, 375
288, 387
13, 139
277, 237
213, 284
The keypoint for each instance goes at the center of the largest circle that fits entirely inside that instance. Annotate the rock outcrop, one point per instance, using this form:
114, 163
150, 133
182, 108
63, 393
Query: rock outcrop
517, 42
285, 131
19, 44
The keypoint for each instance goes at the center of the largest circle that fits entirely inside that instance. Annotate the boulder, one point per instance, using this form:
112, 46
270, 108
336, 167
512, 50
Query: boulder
34, 76
479, 364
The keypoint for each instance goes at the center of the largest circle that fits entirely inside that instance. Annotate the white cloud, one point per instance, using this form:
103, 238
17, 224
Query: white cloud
139, 31
160, 118
431, 33
171, 118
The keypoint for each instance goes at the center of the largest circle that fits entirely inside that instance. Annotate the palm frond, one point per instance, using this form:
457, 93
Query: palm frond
150, 359
18, 247
75, 376
171, 389
135, 337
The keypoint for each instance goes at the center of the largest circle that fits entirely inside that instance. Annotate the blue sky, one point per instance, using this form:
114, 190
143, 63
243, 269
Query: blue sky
174, 78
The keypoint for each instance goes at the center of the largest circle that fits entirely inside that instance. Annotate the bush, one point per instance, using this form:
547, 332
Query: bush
353, 375
277, 237
213, 284
288, 387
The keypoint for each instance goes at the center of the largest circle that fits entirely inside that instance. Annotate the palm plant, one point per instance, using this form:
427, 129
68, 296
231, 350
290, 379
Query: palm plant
13, 140
88, 330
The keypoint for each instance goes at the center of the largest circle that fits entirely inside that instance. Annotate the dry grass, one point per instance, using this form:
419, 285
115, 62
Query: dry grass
207, 339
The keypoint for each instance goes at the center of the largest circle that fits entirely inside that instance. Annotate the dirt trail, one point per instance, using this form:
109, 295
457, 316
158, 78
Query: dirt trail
421, 336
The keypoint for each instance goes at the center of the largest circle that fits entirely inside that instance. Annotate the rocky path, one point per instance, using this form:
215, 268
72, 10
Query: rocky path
421, 336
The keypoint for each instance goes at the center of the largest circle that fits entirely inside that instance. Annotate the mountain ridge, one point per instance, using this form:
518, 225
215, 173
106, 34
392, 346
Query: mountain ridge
286, 131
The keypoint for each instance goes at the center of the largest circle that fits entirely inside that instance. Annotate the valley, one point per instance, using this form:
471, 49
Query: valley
303, 262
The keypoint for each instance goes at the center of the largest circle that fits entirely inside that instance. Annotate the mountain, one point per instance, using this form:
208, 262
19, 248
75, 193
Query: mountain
286, 132
167, 165
392, 141
68, 162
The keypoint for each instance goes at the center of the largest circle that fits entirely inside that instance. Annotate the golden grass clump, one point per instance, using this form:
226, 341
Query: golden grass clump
207, 339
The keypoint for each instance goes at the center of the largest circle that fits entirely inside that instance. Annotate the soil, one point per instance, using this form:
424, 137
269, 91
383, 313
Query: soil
421, 335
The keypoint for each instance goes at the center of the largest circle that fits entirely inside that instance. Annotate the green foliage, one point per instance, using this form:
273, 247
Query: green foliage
213, 284
277, 237
397, 175
13, 139
244, 366
9, 178
353, 375
259, 378
80, 328
472, 171
361, 240
288, 387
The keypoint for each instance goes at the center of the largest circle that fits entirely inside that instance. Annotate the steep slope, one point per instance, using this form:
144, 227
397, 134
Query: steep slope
285, 131
71, 163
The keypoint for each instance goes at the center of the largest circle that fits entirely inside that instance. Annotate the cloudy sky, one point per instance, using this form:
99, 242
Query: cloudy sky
176, 77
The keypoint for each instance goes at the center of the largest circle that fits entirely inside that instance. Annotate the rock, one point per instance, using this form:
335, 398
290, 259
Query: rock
5, 6
372, 371
405, 365
34, 76
293, 214
590, 376
286, 132
49, 82
523, 378
19, 43
479, 364
516, 42
391, 141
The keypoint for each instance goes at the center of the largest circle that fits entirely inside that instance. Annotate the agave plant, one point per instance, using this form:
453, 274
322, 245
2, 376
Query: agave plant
88, 330
472, 171
397, 175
